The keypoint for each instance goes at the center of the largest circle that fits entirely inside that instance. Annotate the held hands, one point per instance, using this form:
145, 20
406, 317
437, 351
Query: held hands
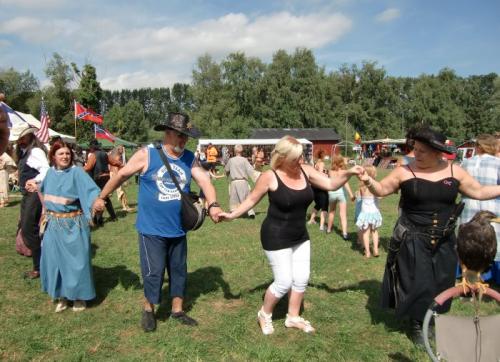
214, 213
31, 186
98, 206
364, 177
356, 170
226, 216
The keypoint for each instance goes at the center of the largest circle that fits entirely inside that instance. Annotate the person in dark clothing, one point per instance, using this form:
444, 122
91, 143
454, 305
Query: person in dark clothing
4, 128
284, 234
97, 166
32, 164
422, 254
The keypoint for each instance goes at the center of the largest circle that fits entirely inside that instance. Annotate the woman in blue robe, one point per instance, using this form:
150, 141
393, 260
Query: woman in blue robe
68, 194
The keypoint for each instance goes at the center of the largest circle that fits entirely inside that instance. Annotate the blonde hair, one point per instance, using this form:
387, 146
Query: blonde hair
487, 144
371, 170
287, 148
238, 149
338, 163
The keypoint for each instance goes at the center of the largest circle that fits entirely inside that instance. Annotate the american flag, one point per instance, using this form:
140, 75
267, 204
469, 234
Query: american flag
43, 133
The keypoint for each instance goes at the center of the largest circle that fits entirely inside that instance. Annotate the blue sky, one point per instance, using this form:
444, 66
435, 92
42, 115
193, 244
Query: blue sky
156, 43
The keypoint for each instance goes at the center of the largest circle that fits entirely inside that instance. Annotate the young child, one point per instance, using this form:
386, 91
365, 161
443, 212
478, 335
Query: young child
369, 219
338, 197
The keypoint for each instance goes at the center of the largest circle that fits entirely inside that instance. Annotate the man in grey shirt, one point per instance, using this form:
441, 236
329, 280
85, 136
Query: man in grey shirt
239, 171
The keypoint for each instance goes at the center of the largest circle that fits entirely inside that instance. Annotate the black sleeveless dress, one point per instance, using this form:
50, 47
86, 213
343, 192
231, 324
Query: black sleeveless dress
422, 257
285, 223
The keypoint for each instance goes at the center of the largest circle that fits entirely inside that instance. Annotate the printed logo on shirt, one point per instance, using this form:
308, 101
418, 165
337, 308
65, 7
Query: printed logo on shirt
167, 188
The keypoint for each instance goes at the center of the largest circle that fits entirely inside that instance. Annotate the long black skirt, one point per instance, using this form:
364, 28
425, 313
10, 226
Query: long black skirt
417, 270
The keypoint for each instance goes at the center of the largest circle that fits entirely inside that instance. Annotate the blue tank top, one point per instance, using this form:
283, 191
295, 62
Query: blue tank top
159, 205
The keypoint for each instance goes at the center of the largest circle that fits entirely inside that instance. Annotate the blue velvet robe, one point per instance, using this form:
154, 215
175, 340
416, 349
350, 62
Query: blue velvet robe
65, 266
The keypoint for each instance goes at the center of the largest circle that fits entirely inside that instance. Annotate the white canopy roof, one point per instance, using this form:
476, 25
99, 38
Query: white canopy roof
247, 141
18, 124
387, 140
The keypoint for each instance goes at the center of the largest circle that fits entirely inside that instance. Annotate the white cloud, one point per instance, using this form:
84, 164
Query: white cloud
35, 30
143, 79
232, 32
388, 15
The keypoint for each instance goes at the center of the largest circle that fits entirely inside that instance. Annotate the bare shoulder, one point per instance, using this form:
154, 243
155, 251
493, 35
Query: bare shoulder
307, 169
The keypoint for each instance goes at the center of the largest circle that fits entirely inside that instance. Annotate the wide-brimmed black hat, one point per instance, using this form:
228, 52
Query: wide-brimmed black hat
179, 122
431, 138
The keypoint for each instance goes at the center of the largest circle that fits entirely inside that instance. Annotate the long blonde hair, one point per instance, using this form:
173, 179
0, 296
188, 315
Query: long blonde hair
287, 148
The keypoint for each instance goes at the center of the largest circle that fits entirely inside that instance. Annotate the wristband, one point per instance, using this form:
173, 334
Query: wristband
213, 204
369, 183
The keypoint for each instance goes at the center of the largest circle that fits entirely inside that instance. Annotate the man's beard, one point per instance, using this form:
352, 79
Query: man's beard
177, 149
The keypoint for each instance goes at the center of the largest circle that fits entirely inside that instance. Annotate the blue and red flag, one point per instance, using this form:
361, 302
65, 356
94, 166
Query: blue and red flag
87, 114
103, 134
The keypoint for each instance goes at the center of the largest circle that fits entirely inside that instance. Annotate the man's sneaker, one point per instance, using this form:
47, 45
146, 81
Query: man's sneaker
79, 305
299, 323
148, 321
265, 322
183, 318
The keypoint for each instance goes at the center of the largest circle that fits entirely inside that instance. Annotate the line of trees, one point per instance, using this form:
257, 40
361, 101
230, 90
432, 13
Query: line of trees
231, 97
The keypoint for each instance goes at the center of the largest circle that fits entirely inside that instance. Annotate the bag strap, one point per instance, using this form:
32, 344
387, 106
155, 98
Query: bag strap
164, 158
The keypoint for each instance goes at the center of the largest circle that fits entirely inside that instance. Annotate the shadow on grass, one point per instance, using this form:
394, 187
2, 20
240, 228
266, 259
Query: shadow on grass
200, 282
372, 289
106, 279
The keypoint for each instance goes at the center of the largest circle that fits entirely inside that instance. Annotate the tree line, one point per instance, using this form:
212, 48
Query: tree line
231, 97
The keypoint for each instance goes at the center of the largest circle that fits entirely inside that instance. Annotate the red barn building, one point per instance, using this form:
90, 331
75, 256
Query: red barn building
321, 138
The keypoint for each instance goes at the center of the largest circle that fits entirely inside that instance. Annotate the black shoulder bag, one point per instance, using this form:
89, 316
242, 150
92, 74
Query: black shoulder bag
192, 211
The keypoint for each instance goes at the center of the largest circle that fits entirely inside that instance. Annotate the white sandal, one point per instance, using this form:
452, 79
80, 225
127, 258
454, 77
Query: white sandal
61, 305
299, 323
266, 327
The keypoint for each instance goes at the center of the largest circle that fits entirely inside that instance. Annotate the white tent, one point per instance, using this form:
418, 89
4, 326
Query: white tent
19, 120
247, 141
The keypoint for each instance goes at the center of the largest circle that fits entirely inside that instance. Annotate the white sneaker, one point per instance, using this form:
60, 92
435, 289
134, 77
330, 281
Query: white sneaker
299, 323
61, 305
265, 322
79, 305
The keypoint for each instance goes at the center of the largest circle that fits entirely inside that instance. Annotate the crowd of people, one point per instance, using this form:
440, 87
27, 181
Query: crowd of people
422, 256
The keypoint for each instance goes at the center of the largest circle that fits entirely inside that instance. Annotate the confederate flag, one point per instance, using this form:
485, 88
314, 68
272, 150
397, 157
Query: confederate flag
87, 114
104, 134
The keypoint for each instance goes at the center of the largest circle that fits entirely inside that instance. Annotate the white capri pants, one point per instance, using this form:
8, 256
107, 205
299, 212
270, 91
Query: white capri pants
291, 268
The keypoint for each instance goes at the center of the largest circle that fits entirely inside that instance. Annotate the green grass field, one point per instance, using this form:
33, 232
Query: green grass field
228, 274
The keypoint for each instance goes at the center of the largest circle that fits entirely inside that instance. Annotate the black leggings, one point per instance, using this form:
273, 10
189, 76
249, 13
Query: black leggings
320, 199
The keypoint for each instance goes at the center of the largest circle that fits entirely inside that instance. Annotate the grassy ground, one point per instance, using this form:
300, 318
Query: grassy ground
228, 274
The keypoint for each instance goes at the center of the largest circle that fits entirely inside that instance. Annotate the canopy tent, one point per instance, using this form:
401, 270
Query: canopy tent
247, 141
108, 144
19, 121
399, 141
307, 145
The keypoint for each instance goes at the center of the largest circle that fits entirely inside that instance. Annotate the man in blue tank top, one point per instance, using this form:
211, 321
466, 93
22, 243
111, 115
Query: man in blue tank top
162, 239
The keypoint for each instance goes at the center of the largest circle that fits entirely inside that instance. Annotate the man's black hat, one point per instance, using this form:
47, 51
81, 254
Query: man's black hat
179, 122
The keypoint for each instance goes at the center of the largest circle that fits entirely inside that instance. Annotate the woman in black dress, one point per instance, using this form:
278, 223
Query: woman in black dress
422, 256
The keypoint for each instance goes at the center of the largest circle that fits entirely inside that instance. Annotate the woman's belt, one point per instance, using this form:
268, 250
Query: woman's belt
65, 215
238, 179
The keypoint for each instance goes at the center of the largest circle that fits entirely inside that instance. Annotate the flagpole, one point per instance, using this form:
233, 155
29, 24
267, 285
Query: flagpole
74, 110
